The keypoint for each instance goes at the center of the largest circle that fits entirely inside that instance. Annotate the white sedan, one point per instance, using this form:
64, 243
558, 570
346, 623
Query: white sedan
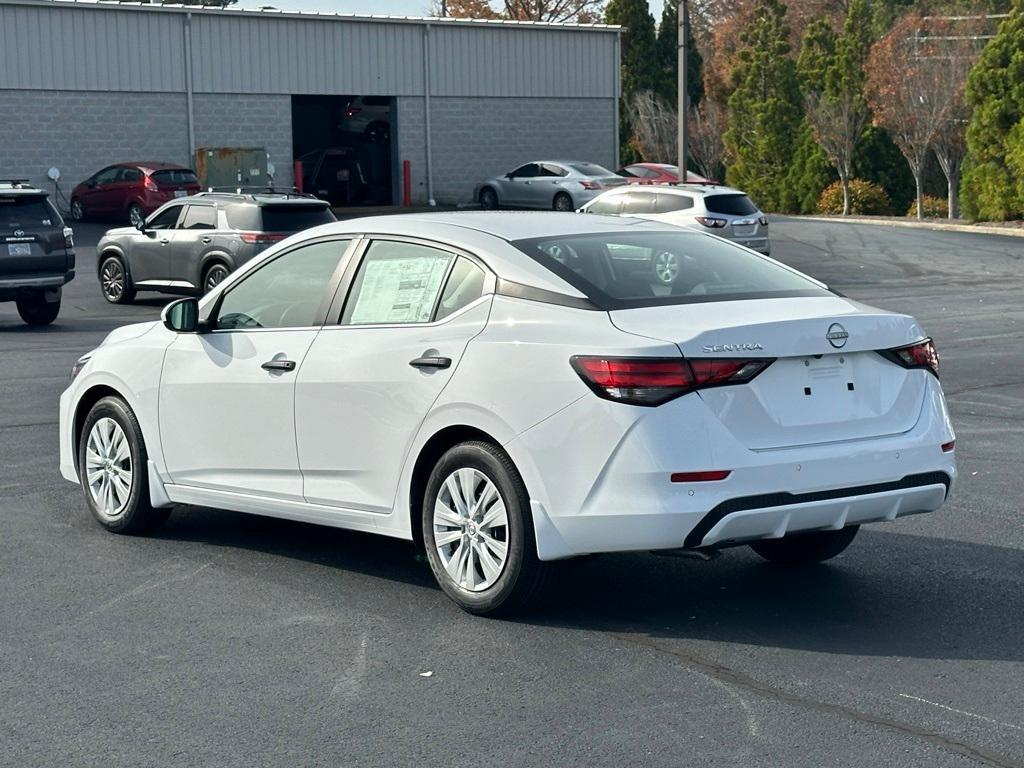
509, 390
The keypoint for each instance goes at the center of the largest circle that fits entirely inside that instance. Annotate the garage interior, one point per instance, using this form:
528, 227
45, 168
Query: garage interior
345, 147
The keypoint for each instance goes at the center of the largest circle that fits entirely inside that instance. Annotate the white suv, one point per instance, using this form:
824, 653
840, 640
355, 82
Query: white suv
722, 211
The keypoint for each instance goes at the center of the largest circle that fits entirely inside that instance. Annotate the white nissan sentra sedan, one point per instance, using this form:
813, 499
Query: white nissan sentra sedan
513, 389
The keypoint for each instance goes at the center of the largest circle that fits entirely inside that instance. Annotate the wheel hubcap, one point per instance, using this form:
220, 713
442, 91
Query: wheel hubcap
108, 468
214, 278
471, 529
112, 279
76, 210
563, 204
666, 267
135, 216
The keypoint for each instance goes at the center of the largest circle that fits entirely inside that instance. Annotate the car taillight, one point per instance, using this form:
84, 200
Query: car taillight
262, 237
711, 221
919, 355
352, 111
588, 184
655, 380
148, 183
69, 237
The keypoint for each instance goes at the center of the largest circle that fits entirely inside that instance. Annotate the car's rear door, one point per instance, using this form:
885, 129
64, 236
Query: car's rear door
194, 236
227, 396
370, 379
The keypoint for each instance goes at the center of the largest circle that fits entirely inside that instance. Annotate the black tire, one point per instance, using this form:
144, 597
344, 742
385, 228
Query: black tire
36, 310
522, 573
136, 215
77, 210
488, 199
213, 275
805, 548
115, 282
563, 202
137, 515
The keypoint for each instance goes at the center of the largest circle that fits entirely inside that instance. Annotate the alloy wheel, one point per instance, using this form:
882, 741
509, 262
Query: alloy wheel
471, 529
666, 267
135, 216
563, 203
76, 210
214, 277
108, 468
112, 280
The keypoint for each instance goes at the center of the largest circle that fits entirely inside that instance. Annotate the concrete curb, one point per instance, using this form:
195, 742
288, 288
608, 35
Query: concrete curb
935, 225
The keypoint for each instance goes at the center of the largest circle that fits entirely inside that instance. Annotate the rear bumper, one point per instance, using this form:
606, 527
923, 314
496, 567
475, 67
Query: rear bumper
15, 286
599, 477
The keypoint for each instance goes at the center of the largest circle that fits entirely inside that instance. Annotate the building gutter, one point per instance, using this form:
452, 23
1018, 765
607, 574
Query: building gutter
426, 113
189, 110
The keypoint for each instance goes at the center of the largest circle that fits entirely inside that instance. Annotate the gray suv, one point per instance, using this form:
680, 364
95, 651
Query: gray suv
36, 252
190, 244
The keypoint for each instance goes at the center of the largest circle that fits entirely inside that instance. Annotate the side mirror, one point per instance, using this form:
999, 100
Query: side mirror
509, 176
141, 226
181, 316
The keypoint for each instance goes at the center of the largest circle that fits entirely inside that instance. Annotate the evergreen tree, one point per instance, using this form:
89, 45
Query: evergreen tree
880, 161
668, 59
809, 174
993, 182
639, 61
765, 108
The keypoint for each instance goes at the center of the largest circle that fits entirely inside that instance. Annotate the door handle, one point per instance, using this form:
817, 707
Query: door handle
207, 240
278, 365
164, 241
431, 362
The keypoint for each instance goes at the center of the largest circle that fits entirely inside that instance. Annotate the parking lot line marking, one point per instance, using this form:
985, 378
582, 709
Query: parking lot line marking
962, 712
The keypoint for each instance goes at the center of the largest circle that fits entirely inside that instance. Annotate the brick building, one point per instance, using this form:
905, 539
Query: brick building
86, 84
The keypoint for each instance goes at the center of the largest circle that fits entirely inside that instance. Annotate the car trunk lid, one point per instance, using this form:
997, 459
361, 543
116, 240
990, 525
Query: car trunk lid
827, 382
31, 236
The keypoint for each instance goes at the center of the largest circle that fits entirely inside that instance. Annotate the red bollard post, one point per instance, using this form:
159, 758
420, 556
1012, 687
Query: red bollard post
406, 183
298, 175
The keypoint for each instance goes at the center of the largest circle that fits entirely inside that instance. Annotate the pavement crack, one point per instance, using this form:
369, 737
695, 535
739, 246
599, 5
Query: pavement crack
743, 681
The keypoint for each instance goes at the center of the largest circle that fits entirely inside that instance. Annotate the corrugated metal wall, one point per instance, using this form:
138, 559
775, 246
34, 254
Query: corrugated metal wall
58, 46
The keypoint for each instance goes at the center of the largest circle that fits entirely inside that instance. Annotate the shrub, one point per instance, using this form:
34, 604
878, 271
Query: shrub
866, 199
934, 208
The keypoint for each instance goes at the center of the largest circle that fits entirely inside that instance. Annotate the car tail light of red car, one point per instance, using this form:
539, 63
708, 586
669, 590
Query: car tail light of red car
149, 184
655, 380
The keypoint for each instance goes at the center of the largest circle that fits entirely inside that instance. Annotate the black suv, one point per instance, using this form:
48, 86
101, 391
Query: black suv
36, 252
192, 243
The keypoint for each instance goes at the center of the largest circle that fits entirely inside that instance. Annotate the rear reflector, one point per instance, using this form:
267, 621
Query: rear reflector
700, 477
947, 447
655, 380
919, 355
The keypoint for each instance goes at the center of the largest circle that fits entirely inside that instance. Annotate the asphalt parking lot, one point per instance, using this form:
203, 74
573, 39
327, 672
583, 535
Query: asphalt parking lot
231, 640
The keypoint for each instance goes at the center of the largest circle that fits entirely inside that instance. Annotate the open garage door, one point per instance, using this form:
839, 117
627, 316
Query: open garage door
345, 147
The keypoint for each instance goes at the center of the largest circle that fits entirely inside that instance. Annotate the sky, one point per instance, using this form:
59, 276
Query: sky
397, 7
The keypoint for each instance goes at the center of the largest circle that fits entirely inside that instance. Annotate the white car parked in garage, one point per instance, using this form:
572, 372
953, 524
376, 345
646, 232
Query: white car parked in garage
514, 389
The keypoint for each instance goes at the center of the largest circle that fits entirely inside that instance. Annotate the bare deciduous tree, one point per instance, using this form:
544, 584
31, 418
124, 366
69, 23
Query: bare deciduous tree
583, 11
707, 124
654, 127
902, 87
838, 121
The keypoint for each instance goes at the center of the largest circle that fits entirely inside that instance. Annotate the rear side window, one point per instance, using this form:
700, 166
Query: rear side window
465, 285
199, 217
620, 270
547, 169
294, 218
638, 202
130, 174
27, 212
174, 177
732, 205
396, 283
672, 203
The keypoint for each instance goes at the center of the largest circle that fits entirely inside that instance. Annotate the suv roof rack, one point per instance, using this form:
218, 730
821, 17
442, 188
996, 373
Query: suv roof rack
253, 191
17, 183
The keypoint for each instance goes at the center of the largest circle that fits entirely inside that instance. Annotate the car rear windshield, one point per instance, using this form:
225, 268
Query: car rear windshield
621, 270
175, 177
278, 218
27, 212
732, 205
590, 169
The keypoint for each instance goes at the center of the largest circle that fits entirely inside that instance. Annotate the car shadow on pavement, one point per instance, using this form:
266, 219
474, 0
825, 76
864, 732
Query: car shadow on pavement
890, 594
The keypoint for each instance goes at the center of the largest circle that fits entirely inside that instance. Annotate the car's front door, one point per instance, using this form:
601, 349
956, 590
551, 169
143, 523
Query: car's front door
150, 256
370, 380
96, 198
193, 237
518, 186
227, 396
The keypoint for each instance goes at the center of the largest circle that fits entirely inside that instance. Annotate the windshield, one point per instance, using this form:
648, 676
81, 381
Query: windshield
619, 270
733, 205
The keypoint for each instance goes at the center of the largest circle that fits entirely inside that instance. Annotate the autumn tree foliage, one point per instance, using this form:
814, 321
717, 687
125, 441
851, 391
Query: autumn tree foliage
583, 11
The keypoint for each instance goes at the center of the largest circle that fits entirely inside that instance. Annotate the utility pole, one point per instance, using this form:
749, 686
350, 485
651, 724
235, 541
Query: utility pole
683, 97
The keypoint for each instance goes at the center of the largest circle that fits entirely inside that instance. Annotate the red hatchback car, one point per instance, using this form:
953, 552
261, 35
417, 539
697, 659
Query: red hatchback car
657, 173
131, 190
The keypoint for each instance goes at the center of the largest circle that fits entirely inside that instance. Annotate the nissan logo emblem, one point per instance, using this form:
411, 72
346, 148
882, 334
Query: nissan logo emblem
837, 335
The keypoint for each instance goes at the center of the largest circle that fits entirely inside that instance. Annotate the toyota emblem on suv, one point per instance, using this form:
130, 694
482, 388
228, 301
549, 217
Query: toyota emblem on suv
837, 335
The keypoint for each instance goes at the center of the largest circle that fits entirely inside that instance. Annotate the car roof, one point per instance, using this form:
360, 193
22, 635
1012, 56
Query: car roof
490, 236
693, 188
146, 165
10, 187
